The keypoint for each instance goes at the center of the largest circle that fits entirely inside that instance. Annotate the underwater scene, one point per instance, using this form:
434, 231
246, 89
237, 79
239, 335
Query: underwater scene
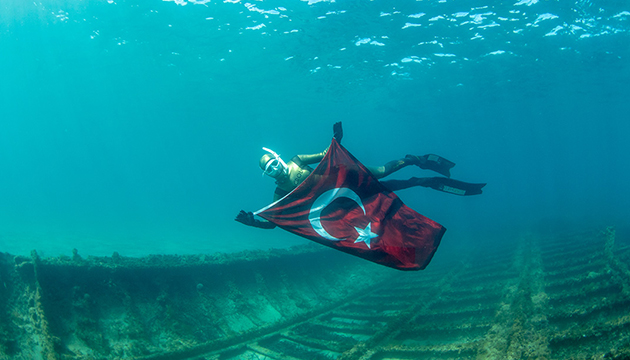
484, 143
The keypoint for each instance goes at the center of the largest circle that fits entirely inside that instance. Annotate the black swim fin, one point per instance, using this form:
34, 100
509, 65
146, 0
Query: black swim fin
438, 183
451, 186
432, 162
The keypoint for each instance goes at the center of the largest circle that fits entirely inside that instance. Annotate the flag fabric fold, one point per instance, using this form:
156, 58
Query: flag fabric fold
343, 206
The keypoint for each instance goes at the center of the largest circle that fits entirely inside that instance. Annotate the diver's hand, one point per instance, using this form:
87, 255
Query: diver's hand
246, 218
338, 131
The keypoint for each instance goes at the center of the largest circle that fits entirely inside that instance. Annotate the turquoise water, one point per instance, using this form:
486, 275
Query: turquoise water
136, 126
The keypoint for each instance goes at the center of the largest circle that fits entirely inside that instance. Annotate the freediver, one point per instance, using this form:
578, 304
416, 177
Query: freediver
290, 174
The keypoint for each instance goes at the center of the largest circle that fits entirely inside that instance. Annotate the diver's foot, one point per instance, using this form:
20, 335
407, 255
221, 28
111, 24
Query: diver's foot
415, 160
432, 162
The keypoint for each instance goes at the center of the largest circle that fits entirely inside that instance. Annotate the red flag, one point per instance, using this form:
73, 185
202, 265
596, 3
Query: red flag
343, 206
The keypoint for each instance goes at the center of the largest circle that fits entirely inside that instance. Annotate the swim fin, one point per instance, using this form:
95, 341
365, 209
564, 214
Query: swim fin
432, 162
453, 186
438, 183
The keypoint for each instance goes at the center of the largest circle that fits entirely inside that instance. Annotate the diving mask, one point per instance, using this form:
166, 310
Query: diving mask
274, 166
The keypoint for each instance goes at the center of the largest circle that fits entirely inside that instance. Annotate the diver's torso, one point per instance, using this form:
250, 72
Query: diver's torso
296, 174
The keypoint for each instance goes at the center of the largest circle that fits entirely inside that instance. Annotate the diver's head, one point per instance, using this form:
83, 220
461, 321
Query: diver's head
272, 165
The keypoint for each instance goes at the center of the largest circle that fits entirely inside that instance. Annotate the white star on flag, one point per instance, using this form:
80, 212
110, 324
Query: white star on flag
365, 235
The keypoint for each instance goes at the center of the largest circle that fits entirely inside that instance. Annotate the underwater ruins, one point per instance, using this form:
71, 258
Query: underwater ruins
532, 297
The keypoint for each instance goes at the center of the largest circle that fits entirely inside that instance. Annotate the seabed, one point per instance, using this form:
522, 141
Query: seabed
561, 297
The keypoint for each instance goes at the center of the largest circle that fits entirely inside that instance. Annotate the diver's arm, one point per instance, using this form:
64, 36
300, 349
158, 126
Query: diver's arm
311, 159
247, 218
315, 158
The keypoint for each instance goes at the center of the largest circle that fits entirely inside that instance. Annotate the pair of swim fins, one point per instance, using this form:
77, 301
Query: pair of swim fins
432, 162
441, 166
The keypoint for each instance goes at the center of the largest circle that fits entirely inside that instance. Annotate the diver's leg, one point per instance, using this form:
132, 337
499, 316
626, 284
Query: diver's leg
438, 183
432, 162
390, 167
395, 185
429, 162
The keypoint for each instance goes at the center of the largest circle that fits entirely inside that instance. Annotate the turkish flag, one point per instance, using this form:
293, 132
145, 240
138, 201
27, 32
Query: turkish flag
343, 206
